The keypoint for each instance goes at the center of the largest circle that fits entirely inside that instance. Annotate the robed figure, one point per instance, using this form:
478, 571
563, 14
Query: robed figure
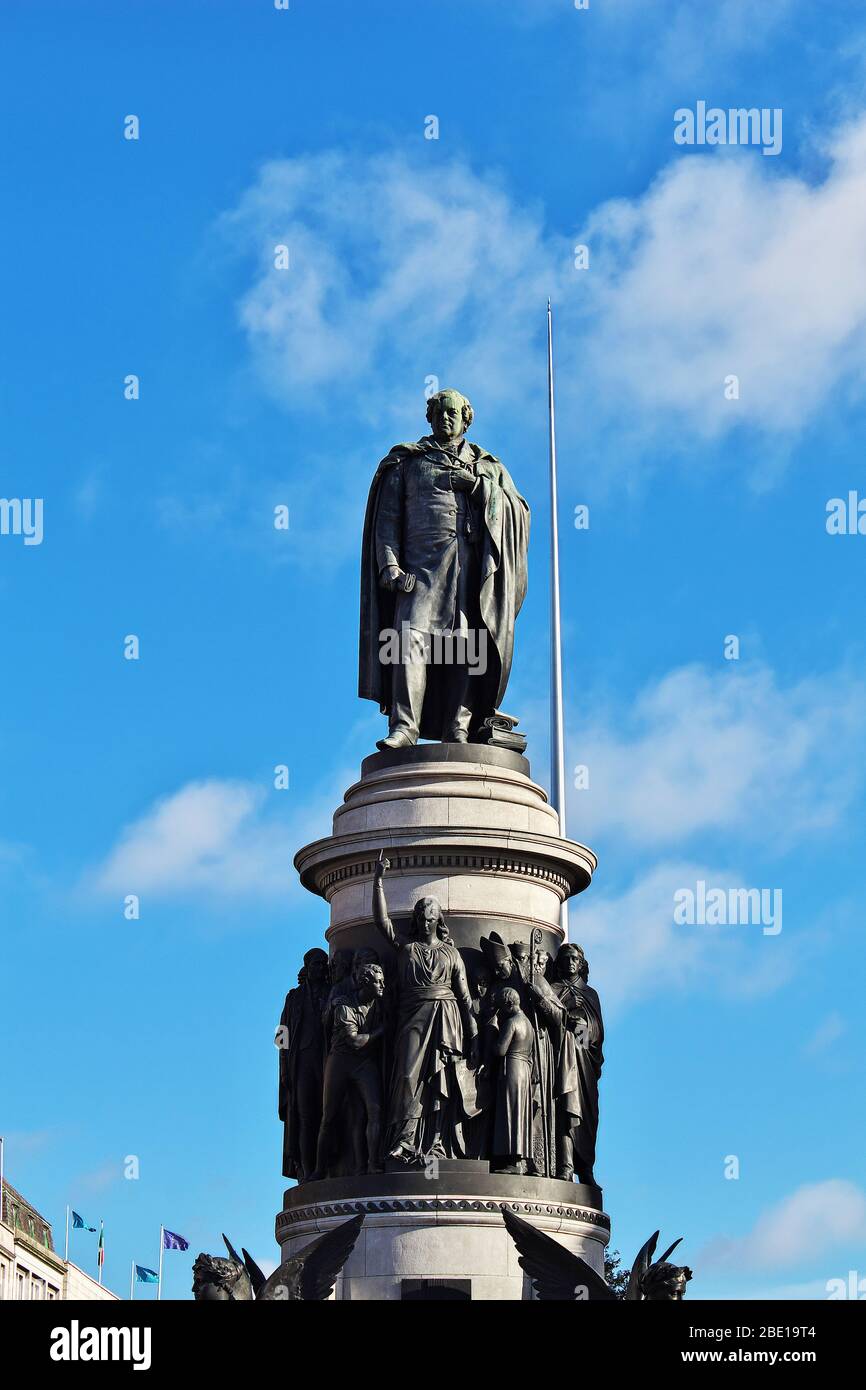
579, 1067
513, 968
432, 1088
301, 1041
443, 577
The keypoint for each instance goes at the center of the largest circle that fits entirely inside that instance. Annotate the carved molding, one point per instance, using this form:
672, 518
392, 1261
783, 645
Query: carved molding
295, 1216
476, 863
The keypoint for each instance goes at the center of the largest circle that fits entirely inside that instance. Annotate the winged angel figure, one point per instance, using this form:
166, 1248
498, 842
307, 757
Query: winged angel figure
308, 1276
557, 1274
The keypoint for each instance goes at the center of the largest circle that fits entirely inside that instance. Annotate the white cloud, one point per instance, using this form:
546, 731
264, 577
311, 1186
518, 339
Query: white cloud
214, 837
635, 949
818, 1217
731, 751
426, 265
403, 268
728, 264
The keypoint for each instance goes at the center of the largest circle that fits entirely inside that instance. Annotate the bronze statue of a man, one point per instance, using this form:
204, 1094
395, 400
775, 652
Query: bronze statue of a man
354, 1063
301, 1040
443, 577
580, 1064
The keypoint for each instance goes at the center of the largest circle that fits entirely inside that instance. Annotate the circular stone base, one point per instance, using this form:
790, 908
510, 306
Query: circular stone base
463, 823
442, 1236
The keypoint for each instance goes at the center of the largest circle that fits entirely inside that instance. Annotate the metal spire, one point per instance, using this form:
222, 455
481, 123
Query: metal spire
557, 737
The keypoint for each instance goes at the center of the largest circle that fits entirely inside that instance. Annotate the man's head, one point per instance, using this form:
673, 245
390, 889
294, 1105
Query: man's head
315, 966
341, 964
481, 981
571, 962
498, 957
541, 960
365, 955
370, 982
450, 416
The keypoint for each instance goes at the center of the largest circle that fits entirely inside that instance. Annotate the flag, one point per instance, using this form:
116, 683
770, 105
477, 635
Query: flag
172, 1241
143, 1275
79, 1223
100, 1249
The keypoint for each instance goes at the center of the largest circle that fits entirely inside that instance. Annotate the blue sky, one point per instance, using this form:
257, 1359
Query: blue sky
411, 258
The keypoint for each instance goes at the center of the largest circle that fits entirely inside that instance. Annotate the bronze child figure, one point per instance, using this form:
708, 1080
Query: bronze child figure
512, 1126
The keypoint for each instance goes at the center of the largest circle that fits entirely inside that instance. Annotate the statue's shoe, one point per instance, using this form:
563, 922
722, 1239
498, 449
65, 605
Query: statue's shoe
398, 739
460, 736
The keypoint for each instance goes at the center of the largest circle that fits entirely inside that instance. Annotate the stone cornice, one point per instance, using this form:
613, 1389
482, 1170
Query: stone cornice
437, 1207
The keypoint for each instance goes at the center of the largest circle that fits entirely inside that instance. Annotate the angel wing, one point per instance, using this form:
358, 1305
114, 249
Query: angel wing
257, 1277
555, 1272
639, 1268
233, 1254
312, 1272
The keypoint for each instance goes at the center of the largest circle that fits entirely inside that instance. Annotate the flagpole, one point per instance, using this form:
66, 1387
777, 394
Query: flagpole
100, 1248
161, 1244
66, 1251
557, 738
132, 1281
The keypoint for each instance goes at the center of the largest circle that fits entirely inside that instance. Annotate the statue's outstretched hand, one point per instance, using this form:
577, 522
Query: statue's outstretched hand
382, 866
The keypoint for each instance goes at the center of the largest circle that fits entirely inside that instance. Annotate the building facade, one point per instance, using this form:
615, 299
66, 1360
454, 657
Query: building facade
30, 1267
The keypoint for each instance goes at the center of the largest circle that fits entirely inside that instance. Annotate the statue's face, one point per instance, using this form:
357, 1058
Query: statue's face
520, 950
448, 419
569, 965
213, 1293
429, 915
316, 969
502, 969
374, 984
340, 967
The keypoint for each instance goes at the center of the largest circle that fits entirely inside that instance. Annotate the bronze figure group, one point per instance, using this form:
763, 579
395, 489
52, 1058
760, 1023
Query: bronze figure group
417, 1058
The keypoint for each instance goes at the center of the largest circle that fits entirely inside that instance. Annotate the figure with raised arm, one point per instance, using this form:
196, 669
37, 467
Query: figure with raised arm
432, 1089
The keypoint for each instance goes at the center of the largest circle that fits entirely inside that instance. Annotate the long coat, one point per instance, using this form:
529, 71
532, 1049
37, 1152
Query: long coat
501, 574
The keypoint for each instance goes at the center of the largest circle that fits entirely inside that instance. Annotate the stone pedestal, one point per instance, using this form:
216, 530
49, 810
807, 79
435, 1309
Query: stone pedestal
466, 824
442, 1236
